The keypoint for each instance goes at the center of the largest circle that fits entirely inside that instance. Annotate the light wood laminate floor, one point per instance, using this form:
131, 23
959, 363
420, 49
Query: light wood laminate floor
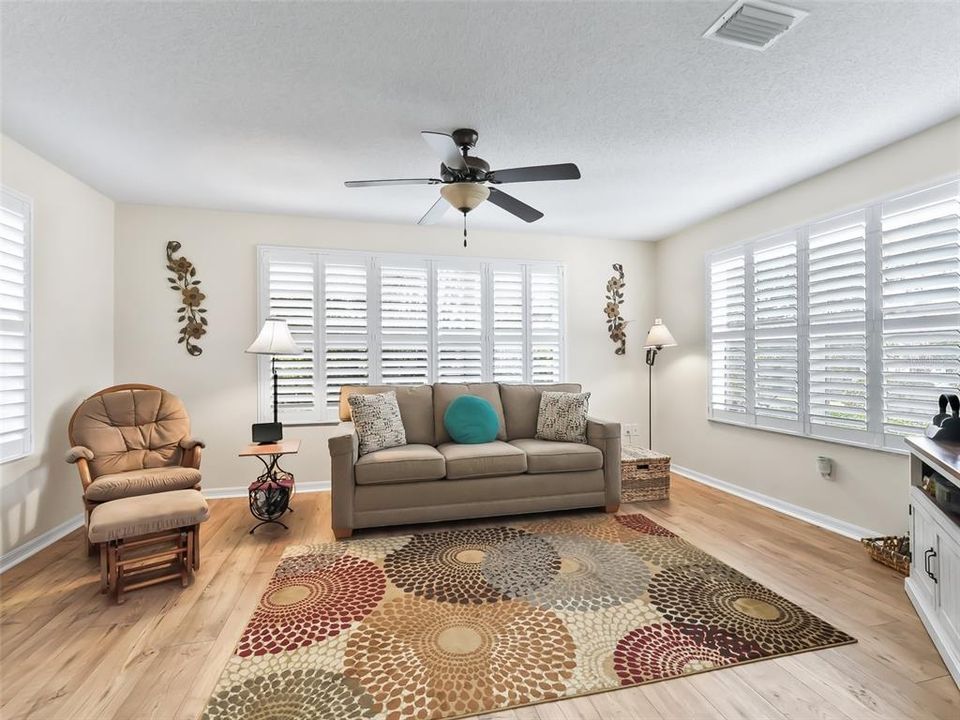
66, 652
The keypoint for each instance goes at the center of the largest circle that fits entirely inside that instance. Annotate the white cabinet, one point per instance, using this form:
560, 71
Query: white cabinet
934, 582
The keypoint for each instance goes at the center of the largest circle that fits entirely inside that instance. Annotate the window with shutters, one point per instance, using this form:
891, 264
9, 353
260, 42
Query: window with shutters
15, 325
846, 328
394, 319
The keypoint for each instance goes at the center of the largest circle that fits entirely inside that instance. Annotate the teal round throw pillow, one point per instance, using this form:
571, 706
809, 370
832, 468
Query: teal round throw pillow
470, 420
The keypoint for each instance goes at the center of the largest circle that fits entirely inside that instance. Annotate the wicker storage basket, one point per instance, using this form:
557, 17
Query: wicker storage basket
890, 550
644, 475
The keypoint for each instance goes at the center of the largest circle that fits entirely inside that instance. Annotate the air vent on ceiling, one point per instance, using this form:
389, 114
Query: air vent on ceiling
754, 24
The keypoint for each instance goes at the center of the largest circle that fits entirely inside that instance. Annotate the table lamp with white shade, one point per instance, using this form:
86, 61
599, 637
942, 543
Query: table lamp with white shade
274, 339
658, 338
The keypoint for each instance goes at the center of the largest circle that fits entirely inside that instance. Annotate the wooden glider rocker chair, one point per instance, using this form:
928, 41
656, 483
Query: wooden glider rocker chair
130, 440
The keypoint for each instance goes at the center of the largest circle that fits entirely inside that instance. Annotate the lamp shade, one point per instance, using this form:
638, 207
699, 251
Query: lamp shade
465, 196
659, 336
274, 339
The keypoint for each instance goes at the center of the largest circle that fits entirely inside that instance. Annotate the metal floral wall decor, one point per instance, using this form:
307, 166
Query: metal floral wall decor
616, 325
190, 314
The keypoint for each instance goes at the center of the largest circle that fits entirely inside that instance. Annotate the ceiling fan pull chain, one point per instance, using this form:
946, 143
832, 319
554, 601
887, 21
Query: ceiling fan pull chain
464, 229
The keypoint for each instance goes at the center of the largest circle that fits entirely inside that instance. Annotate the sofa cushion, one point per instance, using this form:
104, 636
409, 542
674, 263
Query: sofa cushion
482, 460
136, 516
521, 406
444, 393
563, 416
471, 420
416, 408
376, 418
405, 463
549, 456
141, 482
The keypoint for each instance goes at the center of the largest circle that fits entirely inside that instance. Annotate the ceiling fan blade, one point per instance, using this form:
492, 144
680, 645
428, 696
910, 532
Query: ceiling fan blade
535, 173
514, 206
435, 212
399, 181
444, 146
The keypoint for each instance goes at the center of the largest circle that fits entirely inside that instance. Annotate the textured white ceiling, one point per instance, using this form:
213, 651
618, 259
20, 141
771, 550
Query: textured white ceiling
271, 106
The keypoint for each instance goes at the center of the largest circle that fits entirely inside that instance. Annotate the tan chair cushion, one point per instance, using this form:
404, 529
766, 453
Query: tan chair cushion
445, 393
482, 460
146, 514
131, 430
521, 406
548, 456
404, 463
141, 482
416, 408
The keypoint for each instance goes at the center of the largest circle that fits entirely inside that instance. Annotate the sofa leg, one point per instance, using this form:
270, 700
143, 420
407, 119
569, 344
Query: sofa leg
342, 533
612, 508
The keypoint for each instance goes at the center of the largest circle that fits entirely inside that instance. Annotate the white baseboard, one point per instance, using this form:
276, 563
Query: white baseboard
32, 547
827, 522
241, 490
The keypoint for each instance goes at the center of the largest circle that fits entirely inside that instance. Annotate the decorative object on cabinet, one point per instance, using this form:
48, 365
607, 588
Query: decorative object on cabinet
270, 494
187, 286
644, 475
891, 550
658, 338
945, 427
934, 582
616, 325
274, 339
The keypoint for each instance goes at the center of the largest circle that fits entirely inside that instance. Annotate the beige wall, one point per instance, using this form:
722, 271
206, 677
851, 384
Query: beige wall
870, 487
73, 336
219, 386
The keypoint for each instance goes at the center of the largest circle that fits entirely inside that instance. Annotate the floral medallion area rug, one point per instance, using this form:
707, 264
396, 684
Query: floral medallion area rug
459, 622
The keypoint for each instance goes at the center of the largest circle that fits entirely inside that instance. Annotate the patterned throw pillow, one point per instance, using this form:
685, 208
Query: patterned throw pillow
376, 418
563, 416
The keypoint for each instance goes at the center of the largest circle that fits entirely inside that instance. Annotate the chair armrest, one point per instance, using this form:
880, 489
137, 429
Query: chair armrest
78, 452
191, 452
605, 436
80, 456
344, 452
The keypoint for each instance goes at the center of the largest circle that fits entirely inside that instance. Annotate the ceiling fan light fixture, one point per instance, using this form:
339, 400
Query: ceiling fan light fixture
465, 196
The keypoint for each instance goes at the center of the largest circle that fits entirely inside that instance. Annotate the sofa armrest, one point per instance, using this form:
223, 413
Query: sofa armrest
189, 443
80, 456
344, 453
605, 436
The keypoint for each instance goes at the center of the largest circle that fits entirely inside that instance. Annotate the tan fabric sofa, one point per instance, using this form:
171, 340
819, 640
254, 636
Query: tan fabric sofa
433, 479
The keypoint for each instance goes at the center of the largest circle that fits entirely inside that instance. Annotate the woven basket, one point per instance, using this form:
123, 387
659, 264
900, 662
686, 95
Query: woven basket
644, 475
889, 551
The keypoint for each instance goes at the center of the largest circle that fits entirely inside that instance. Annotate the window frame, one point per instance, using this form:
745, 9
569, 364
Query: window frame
327, 415
874, 437
27, 447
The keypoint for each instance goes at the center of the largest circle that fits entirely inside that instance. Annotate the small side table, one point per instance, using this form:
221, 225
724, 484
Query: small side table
644, 475
271, 492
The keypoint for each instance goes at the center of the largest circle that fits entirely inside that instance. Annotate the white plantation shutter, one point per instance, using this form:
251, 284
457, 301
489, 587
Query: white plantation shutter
837, 311
776, 344
346, 335
405, 324
459, 325
546, 289
291, 295
509, 326
370, 319
15, 329
849, 327
920, 305
728, 336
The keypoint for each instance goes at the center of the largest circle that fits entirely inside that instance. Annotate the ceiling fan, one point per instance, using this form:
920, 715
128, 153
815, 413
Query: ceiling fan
466, 179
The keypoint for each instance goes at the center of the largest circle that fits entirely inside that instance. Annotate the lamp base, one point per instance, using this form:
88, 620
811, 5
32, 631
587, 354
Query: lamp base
267, 433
